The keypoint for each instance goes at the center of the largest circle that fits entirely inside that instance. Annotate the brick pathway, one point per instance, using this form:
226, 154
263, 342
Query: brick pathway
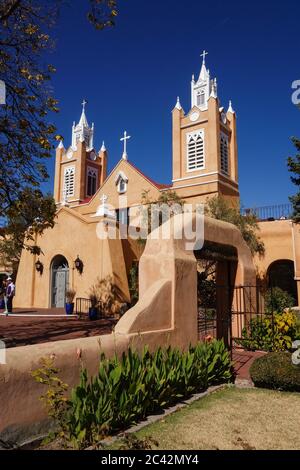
39, 328
242, 363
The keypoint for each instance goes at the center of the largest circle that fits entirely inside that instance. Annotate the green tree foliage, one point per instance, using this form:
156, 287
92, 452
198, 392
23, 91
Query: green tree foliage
221, 209
27, 135
294, 167
26, 131
27, 217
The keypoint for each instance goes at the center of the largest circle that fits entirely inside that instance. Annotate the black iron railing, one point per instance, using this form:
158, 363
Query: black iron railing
83, 306
276, 212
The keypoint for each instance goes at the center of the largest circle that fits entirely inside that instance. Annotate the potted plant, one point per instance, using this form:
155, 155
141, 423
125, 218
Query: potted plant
93, 310
70, 295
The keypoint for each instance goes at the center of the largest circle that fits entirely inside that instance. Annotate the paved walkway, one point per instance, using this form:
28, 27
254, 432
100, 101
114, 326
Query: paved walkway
242, 363
27, 327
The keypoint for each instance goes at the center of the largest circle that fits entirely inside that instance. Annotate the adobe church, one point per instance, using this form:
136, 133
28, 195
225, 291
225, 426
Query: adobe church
205, 163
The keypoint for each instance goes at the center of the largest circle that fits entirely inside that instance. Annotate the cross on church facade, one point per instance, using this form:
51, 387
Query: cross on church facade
203, 55
124, 139
83, 104
104, 199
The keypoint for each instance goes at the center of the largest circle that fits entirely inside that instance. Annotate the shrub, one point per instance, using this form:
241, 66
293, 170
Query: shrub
70, 295
276, 371
270, 333
128, 389
277, 300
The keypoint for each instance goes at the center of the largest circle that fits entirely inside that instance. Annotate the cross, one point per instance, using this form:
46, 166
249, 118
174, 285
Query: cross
104, 199
83, 104
124, 139
203, 55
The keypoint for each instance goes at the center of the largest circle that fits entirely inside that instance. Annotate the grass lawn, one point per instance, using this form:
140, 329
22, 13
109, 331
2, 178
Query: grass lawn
232, 419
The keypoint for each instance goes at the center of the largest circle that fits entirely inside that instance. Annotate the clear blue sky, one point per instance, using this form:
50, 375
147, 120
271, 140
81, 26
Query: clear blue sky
131, 75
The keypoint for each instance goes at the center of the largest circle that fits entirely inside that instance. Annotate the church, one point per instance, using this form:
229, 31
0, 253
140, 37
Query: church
204, 164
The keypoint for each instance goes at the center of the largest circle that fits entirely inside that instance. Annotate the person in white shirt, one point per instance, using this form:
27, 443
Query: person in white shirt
10, 292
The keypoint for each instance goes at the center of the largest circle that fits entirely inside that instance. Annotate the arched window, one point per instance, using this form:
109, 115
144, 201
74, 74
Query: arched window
69, 181
201, 98
224, 154
92, 176
121, 182
195, 151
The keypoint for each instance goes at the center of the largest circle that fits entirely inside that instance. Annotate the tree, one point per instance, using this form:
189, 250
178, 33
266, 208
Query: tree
27, 136
26, 132
27, 218
219, 208
159, 210
294, 167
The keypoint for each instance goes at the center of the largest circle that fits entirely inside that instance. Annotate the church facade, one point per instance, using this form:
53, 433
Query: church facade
74, 254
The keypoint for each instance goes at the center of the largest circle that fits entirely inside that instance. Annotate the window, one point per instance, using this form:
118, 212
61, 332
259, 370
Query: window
69, 181
122, 186
224, 154
123, 216
92, 177
121, 182
201, 98
195, 151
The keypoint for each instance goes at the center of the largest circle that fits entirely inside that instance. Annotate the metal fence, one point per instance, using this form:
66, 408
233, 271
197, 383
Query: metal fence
275, 212
237, 316
83, 306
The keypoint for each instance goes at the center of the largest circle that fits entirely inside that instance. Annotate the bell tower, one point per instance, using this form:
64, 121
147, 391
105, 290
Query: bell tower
205, 144
79, 170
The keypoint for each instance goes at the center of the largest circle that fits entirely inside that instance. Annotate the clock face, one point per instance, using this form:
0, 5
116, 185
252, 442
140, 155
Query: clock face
70, 153
194, 117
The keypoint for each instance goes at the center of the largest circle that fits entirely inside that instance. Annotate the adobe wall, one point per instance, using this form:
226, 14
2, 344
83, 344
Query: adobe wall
166, 314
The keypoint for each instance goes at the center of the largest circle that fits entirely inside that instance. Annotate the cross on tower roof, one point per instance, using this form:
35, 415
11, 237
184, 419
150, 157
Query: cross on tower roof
83, 104
204, 53
124, 139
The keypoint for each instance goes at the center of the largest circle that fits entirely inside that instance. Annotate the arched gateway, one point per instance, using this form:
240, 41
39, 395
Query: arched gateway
59, 281
168, 280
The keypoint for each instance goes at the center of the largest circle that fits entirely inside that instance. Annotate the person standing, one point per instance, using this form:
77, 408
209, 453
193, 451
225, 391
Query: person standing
10, 292
3, 295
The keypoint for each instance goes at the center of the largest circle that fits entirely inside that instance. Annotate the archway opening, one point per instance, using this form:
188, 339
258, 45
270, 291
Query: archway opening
59, 281
216, 273
281, 274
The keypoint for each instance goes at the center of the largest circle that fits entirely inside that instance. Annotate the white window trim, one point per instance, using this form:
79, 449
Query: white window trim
195, 134
93, 170
71, 170
121, 177
226, 138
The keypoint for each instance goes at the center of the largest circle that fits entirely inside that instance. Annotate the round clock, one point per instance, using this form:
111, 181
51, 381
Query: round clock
70, 153
194, 116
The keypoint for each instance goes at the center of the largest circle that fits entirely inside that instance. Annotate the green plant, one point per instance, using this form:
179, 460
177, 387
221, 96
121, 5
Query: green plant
129, 388
134, 283
277, 300
55, 398
276, 371
270, 332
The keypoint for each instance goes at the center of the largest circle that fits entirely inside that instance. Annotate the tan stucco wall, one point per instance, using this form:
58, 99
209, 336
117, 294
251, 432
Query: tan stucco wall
282, 242
166, 314
72, 235
209, 180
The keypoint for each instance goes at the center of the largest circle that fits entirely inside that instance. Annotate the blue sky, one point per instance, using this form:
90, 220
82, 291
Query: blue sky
131, 75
